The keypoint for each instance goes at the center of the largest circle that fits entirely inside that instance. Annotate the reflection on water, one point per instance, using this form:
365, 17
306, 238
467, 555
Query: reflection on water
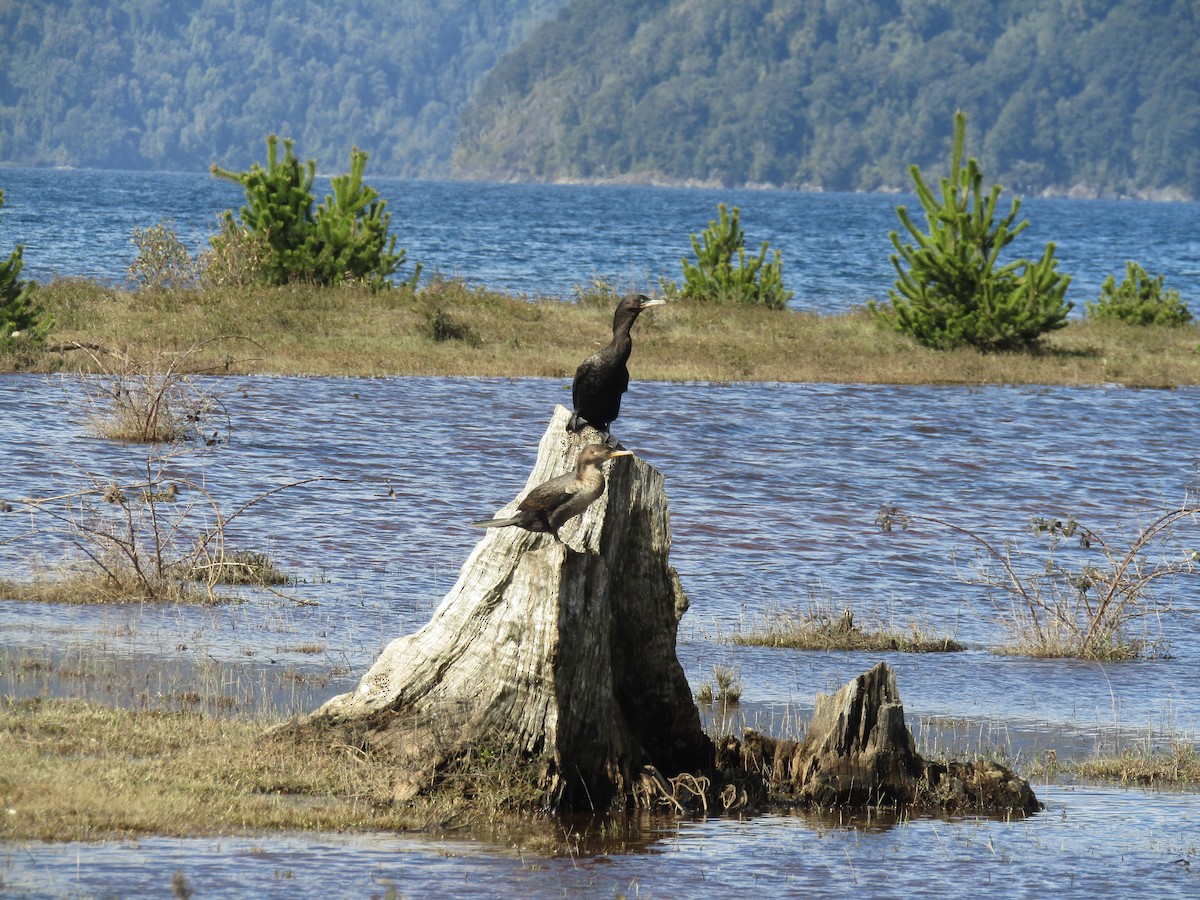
773, 492
1082, 846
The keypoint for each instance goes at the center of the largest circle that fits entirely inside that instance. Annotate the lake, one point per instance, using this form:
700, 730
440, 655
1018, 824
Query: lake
546, 240
773, 491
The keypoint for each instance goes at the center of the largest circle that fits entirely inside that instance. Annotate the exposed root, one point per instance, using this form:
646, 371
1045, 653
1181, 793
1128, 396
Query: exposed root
697, 786
687, 792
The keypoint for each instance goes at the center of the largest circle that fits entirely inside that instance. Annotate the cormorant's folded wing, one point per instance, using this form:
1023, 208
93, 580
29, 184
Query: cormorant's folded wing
552, 494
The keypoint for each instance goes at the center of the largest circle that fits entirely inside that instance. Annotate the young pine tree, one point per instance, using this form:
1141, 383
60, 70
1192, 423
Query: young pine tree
952, 290
1139, 300
344, 239
22, 321
715, 278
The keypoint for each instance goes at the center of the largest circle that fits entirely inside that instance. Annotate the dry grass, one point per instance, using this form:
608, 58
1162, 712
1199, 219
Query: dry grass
1080, 602
446, 328
819, 628
90, 587
237, 567
1060, 638
1175, 765
75, 770
727, 691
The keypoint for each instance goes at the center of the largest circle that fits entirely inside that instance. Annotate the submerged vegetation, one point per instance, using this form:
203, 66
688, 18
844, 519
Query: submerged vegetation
724, 690
151, 530
820, 628
1176, 765
1083, 601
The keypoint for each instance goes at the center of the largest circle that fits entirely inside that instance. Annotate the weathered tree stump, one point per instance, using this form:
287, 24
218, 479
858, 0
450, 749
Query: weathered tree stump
858, 752
563, 652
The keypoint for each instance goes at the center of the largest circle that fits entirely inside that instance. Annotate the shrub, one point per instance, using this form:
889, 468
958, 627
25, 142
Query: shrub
154, 400
22, 321
236, 257
162, 260
345, 239
951, 290
1139, 300
441, 325
1080, 603
714, 278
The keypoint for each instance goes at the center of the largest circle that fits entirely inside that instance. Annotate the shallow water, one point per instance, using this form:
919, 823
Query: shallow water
1081, 846
773, 491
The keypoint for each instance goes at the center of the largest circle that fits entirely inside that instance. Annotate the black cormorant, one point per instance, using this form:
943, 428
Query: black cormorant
602, 378
549, 505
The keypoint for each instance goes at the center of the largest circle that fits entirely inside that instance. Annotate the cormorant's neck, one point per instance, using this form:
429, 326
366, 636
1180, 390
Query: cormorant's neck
622, 323
589, 473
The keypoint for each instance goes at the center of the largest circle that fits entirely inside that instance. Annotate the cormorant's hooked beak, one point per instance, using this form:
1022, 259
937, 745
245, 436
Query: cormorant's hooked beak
615, 453
644, 301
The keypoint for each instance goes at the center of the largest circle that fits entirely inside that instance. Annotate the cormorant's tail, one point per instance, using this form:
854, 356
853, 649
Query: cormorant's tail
496, 523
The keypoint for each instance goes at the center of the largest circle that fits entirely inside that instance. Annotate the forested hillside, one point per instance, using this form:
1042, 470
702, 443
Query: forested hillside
135, 84
1087, 96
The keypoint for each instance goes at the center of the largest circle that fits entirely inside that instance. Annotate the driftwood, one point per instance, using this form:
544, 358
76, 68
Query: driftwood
563, 655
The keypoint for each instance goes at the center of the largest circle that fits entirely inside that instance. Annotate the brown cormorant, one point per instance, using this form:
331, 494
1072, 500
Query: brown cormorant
602, 378
549, 505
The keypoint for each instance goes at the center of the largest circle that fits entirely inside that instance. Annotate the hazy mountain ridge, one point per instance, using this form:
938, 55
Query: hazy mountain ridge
1092, 97
133, 85
1095, 98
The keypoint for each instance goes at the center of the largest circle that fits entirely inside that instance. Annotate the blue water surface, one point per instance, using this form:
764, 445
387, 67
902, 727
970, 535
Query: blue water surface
548, 240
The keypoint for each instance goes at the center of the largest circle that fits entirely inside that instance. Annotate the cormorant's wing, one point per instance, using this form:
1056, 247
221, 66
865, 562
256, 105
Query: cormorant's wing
586, 376
549, 495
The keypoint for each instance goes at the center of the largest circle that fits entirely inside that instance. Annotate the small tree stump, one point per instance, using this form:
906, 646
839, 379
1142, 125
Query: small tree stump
562, 652
858, 752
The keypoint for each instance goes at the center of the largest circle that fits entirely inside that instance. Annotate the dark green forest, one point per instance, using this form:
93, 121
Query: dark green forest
1093, 97
139, 84
1087, 96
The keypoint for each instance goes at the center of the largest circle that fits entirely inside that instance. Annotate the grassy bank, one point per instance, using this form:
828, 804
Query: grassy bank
77, 770
446, 328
